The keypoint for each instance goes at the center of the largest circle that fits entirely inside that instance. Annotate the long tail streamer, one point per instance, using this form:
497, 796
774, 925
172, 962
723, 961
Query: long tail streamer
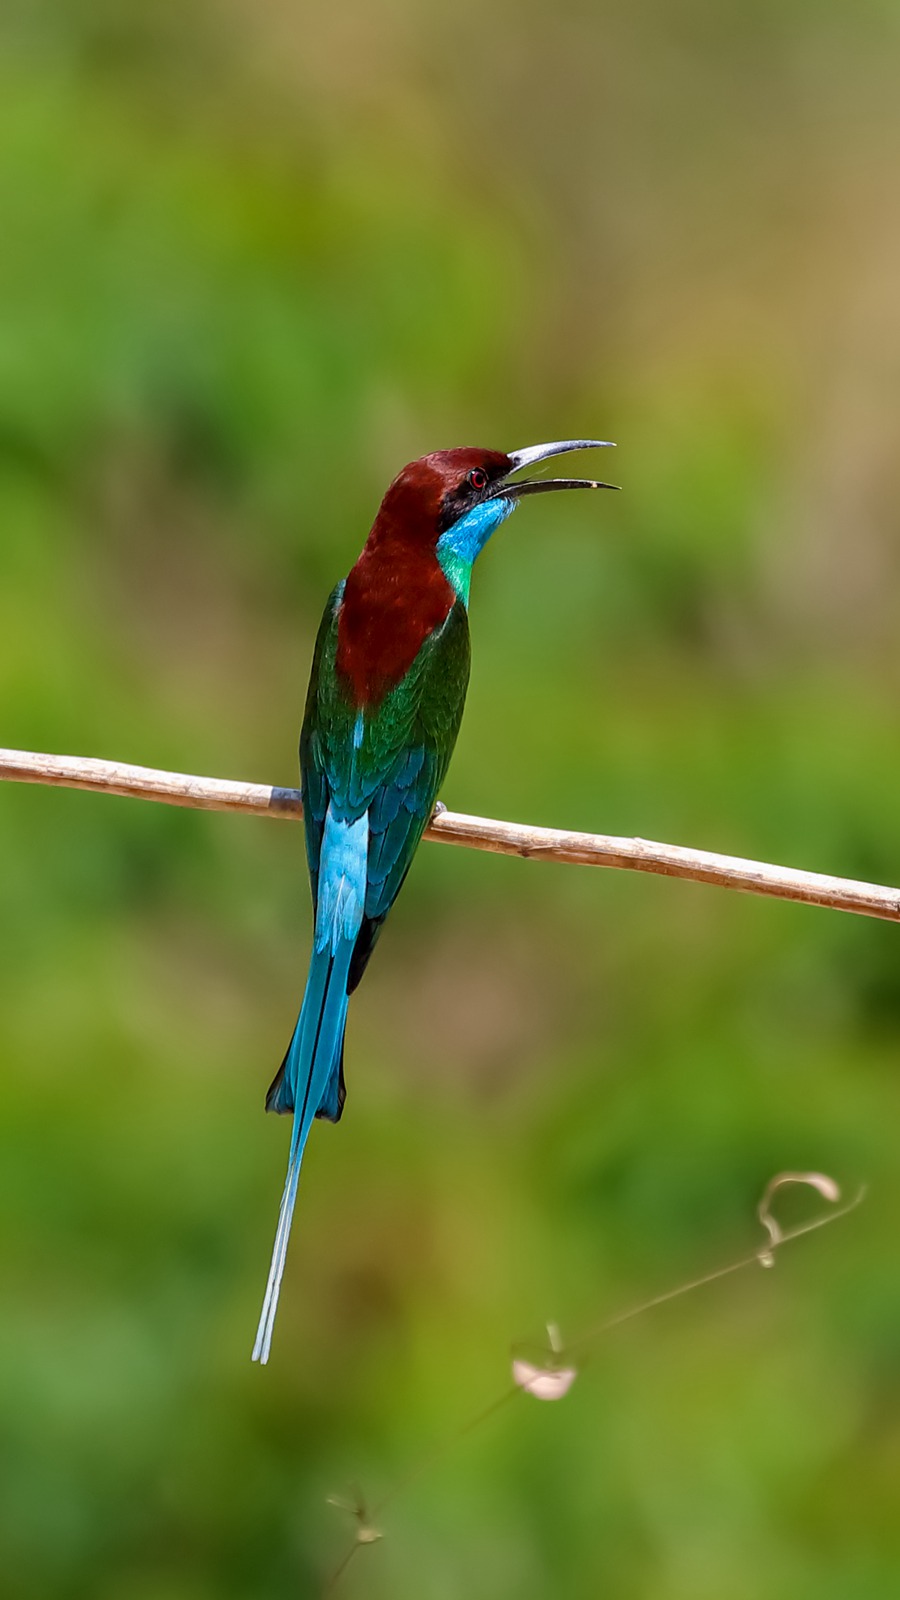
314, 1056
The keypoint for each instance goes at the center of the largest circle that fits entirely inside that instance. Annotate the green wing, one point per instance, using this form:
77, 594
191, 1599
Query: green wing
389, 760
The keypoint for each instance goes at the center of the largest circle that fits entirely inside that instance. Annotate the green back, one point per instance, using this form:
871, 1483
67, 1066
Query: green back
388, 759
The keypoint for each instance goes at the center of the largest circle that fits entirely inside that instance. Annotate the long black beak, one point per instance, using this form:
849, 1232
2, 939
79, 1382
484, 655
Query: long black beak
540, 452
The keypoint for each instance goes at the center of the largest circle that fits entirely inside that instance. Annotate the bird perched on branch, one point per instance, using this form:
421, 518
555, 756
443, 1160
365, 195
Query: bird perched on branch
383, 709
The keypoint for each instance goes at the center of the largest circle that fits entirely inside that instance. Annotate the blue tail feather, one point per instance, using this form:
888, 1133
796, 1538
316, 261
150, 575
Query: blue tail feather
310, 1079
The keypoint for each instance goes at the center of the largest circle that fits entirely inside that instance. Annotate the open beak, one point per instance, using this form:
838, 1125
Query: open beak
540, 452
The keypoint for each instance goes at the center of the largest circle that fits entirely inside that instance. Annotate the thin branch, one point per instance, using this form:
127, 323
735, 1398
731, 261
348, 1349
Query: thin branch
527, 1377
478, 833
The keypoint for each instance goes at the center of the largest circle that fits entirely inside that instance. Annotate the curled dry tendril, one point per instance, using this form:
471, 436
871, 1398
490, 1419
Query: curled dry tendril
552, 1374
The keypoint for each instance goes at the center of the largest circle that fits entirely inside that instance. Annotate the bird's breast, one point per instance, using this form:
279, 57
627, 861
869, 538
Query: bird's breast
392, 602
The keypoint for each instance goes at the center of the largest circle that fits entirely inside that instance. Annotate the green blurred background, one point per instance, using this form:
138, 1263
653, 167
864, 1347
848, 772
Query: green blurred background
253, 257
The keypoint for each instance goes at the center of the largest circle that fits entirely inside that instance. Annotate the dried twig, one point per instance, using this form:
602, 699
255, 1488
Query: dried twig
550, 1379
479, 833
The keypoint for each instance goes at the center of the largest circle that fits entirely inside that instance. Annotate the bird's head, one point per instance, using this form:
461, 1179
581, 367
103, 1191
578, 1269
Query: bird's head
452, 500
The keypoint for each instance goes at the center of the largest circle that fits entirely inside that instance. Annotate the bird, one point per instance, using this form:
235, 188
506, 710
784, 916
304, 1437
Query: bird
385, 700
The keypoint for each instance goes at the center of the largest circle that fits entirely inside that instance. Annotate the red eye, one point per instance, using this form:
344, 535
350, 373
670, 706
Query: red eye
477, 478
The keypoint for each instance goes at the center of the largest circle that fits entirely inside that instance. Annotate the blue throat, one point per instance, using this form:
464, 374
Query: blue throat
459, 548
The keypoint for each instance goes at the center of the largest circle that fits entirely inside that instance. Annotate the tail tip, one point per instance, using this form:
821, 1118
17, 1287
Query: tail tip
262, 1346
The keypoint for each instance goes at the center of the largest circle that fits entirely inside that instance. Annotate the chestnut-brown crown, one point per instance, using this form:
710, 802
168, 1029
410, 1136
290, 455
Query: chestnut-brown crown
430, 494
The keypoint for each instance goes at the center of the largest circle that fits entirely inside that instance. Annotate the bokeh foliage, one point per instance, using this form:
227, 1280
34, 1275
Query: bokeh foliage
253, 258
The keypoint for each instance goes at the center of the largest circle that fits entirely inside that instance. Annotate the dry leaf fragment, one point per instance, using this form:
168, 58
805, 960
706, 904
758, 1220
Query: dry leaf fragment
545, 1383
